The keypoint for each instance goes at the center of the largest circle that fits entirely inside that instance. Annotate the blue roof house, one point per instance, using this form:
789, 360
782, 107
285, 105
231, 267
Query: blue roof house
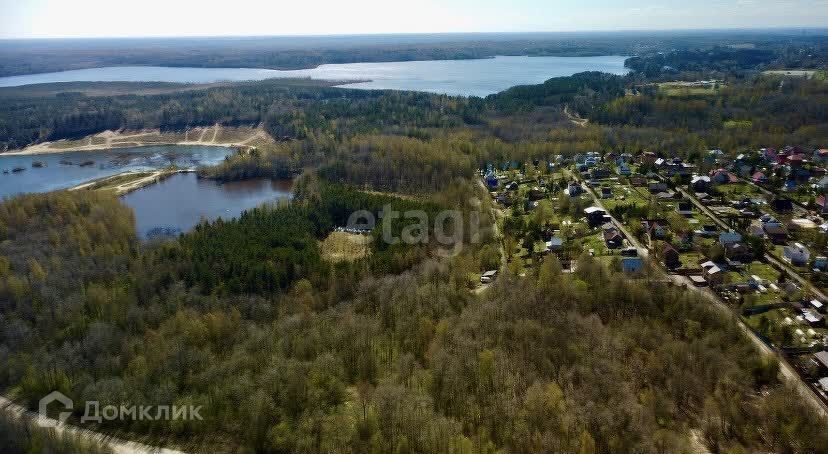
632, 264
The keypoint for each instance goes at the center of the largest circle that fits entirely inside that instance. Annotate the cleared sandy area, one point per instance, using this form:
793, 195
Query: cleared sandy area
216, 135
807, 73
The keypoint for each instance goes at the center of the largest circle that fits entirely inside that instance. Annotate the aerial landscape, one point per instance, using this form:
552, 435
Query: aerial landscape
394, 227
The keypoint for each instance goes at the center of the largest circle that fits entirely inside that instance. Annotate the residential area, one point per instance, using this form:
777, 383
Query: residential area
750, 231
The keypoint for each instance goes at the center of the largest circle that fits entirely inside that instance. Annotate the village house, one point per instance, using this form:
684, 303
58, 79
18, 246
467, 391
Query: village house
685, 208
657, 186
708, 231
782, 205
555, 244
672, 258
722, 176
823, 384
759, 178
536, 193
647, 158
769, 155
820, 263
638, 181
574, 189
756, 282
817, 305
821, 359
632, 264
738, 253
612, 236
726, 238
813, 319
796, 254
700, 183
624, 169
599, 173
680, 169
713, 156
488, 277
606, 192
775, 232
595, 216
656, 228
796, 161
491, 181
504, 199
712, 273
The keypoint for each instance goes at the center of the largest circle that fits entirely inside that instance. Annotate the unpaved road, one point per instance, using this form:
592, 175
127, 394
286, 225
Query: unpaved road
117, 446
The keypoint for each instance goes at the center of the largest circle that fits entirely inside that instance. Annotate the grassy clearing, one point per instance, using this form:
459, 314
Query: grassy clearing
345, 247
738, 124
687, 89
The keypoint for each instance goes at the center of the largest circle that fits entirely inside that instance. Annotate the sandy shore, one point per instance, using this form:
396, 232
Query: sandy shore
205, 136
126, 182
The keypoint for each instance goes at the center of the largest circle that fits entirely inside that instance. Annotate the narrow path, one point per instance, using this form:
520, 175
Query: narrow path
575, 118
496, 214
117, 445
215, 133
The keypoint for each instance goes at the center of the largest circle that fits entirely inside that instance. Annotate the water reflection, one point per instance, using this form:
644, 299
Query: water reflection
52, 171
181, 201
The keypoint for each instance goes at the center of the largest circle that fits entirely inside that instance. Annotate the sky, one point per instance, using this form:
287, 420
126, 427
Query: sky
113, 18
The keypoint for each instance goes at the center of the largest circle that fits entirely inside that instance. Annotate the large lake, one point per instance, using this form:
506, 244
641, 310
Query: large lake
454, 77
71, 168
181, 201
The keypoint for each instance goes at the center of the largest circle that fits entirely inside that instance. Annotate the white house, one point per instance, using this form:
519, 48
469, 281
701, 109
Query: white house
488, 277
796, 254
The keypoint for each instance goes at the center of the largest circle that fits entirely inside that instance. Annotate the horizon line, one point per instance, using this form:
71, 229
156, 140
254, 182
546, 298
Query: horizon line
415, 34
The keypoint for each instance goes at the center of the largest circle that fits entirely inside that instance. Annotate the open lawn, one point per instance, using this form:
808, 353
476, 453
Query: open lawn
688, 89
343, 247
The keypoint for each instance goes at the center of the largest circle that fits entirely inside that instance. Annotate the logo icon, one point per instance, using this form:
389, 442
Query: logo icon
55, 396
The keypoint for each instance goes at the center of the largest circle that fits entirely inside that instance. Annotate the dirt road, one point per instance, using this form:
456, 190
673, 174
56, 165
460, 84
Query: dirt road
117, 446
